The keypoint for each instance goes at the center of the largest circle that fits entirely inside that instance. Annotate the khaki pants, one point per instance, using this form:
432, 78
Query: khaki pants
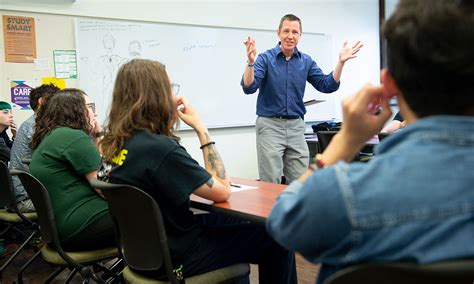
281, 149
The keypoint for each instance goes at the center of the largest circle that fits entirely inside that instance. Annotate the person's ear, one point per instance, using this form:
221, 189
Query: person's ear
390, 86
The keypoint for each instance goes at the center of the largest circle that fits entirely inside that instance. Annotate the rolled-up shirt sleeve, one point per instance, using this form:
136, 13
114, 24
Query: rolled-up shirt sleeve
258, 74
324, 83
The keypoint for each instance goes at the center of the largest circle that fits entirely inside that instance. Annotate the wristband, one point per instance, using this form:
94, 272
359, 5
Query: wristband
207, 144
318, 163
250, 65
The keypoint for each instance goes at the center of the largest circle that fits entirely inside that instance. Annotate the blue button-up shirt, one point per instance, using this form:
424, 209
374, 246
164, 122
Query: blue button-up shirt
282, 83
414, 202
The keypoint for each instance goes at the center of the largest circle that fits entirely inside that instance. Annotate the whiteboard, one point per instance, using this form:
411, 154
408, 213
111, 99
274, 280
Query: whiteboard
207, 63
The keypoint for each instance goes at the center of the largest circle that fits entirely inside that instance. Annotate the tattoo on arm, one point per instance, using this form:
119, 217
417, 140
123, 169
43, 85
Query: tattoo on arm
215, 160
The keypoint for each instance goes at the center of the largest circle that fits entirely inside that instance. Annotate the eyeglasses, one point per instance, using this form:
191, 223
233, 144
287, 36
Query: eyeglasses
91, 106
175, 89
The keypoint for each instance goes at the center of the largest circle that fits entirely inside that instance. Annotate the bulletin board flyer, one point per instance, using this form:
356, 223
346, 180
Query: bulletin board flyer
20, 40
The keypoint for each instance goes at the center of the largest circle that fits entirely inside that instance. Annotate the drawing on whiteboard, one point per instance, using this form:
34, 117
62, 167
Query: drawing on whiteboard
110, 62
134, 49
190, 54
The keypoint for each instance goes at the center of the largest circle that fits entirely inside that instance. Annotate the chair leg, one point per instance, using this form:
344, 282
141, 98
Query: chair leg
9, 226
87, 272
9, 260
70, 275
107, 272
23, 268
54, 274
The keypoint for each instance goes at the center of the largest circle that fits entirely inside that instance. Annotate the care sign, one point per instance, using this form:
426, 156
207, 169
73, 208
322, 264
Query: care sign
20, 40
20, 94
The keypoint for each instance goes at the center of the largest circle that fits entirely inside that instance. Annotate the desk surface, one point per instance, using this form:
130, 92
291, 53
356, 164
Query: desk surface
252, 205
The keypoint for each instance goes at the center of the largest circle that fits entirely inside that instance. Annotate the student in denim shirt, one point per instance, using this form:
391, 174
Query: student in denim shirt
414, 201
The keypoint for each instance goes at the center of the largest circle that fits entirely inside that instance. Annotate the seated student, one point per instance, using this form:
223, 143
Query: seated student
414, 201
21, 148
140, 148
6, 121
398, 122
64, 159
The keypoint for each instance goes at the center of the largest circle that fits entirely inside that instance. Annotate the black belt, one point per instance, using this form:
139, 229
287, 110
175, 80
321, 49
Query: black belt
285, 116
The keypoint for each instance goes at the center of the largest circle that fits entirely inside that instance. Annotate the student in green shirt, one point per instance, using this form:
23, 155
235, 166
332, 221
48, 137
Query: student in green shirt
64, 159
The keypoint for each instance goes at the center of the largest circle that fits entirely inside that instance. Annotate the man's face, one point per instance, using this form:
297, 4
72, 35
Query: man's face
6, 117
289, 35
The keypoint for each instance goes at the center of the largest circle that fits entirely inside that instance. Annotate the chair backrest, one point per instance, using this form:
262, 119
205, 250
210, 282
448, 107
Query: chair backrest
6, 188
383, 135
324, 137
453, 272
139, 227
40, 197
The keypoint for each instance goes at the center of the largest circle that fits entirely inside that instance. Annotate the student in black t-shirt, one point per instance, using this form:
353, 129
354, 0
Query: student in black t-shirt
140, 148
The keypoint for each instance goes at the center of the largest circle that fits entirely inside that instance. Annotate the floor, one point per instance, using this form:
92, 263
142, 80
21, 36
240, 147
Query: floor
307, 271
39, 270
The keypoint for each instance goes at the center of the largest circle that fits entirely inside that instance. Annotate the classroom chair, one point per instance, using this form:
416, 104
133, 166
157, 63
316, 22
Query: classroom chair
325, 137
383, 135
22, 223
143, 242
52, 252
452, 272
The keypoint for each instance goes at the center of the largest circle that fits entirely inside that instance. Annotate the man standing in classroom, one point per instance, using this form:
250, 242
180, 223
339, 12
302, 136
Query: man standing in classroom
280, 74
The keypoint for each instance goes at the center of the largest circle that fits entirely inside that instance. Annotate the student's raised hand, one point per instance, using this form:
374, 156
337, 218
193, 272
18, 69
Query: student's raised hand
364, 114
251, 49
348, 52
189, 115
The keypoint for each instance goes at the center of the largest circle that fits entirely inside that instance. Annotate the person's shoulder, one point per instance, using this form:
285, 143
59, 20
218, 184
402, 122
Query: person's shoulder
66, 134
27, 125
271, 52
305, 57
151, 140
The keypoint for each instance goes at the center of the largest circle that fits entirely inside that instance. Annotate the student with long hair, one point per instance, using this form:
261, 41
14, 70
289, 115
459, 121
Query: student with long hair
140, 148
64, 159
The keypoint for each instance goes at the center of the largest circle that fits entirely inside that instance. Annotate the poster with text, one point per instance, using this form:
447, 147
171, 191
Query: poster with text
65, 64
20, 94
20, 40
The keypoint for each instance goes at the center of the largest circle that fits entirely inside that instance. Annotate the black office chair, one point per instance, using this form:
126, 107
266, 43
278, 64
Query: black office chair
383, 135
143, 242
452, 272
325, 137
52, 251
22, 223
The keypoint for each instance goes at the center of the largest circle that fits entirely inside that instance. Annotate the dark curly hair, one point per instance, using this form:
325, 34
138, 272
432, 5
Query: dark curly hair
66, 108
430, 55
40, 92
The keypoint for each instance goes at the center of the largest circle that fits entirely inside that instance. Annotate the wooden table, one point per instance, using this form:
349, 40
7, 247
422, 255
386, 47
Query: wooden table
253, 205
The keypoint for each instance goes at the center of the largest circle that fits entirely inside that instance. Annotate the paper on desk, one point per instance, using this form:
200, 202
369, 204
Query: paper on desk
312, 102
239, 187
